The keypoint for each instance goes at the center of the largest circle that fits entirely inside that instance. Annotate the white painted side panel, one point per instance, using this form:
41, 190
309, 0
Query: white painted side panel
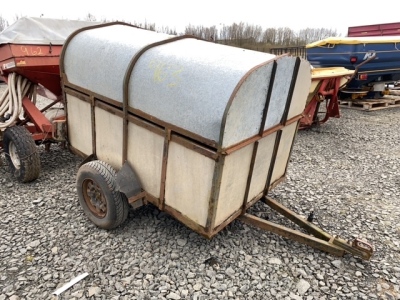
233, 183
282, 157
79, 124
189, 182
145, 152
301, 90
261, 165
108, 137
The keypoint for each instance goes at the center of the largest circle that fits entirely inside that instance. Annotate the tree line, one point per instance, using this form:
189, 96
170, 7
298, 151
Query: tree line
254, 37
240, 34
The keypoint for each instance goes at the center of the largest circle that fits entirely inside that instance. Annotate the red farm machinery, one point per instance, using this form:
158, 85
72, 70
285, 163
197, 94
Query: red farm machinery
29, 65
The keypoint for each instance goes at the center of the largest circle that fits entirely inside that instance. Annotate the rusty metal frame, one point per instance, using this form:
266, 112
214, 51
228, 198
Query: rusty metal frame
42, 110
327, 91
151, 199
79, 153
145, 124
221, 226
291, 234
188, 222
176, 129
108, 108
42, 124
77, 94
250, 140
167, 139
317, 238
93, 124
192, 145
81, 93
273, 160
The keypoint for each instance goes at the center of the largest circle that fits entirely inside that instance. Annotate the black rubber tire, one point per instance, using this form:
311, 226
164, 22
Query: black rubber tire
24, 161
106, 207
126, 208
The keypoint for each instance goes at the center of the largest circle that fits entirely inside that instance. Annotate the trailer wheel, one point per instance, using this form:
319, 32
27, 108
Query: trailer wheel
106, 207
21, 154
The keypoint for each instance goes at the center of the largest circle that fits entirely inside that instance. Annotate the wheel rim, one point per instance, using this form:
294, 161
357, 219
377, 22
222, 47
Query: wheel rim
94, 198
12, 151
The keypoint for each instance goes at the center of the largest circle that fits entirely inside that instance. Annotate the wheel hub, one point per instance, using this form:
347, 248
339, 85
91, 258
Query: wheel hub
94, 198
12, 149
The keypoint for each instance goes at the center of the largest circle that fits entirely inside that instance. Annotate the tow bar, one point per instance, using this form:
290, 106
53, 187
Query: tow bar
317, 238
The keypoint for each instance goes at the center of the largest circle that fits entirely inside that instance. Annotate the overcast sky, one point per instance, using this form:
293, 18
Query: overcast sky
295, 14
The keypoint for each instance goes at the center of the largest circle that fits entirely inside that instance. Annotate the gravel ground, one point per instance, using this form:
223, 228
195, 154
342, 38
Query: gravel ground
347, 171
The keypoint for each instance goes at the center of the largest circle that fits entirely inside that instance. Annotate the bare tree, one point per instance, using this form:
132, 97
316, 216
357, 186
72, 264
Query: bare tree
237, 32
279, 36
253, 32
167, 30
289, 37
90, 17
309, 35
3, 23
269, 36
223, 34
198, 31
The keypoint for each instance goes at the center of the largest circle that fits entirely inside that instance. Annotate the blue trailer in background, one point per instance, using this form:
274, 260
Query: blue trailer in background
376, 61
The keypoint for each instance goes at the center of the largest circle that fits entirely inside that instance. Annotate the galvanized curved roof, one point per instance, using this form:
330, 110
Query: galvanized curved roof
213, 91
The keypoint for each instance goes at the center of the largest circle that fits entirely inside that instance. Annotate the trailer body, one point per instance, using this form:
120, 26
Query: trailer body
205, 129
